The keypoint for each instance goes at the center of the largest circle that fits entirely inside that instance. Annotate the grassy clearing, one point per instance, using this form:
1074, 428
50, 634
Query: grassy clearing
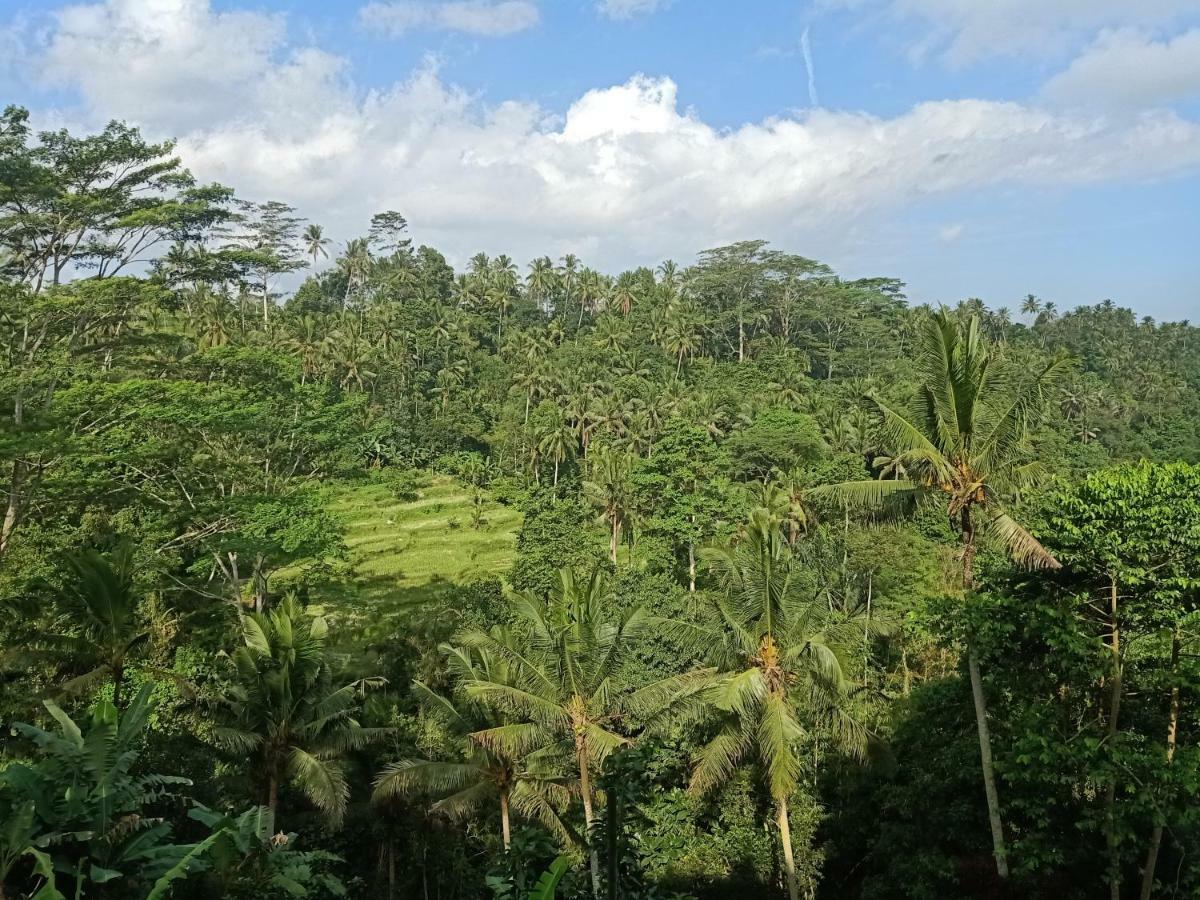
403, 555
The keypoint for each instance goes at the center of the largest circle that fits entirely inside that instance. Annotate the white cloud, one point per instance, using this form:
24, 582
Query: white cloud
628, 9
1127, 68
964, 31
948, 234
491, 18
624, 176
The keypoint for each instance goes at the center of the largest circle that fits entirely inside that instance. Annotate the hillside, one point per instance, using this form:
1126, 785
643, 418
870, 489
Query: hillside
405, 554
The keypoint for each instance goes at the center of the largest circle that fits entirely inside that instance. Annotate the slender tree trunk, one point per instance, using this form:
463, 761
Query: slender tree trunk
613, 838
1114, 712
118, 674
985, 758
995, 822
273, 794
12, 511
556, 471
585, 788
1172, 732
505, 825
260, 586
789, 861
391, 868
614, 538
692, 566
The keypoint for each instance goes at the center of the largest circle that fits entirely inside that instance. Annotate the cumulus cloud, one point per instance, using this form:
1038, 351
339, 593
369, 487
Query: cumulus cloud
490, 18
628, 9
964, 31
624, 176
1127, 68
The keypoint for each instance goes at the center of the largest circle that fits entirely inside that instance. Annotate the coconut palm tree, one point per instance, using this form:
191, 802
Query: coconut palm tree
610, 491
557, 441
776, 673
506, 772
965, 446
315, 242
541, 280
284, 711
99, 610
561, 687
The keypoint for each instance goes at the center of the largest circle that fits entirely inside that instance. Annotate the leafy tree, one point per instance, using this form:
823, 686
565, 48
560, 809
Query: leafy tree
284, 709
99, 607
777, 674
562, 685
508, 773
90, 807
966, 444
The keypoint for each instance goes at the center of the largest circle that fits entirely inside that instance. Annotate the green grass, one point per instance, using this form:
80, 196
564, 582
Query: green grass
402, 555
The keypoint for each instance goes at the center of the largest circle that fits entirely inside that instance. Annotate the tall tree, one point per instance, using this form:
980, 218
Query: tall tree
563, 682
513, 772
285, 711
965, 445
777, 658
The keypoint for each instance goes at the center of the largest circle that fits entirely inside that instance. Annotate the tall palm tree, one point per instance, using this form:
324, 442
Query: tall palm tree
315, 242
557, 440
610, 491
562, 686
99, 609
508, 773
965, 446
283, 709
775, 675
541, 280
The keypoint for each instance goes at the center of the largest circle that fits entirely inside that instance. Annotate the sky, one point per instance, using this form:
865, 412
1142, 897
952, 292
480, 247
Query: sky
971, 148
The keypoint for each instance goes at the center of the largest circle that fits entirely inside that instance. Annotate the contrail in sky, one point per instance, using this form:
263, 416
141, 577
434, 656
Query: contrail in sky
808, 64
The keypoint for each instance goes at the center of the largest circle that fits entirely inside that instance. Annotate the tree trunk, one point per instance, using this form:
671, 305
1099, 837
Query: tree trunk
118, 673
1172, 732
273, 795
556, 471
789, 861
985, 758
1114, 712
692, 566
505, 826
260, 586
614, 539
12, 512
391, 868
585, 788
995, 822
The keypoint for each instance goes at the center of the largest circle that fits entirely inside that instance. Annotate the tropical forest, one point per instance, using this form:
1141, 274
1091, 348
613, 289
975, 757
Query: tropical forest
329, 568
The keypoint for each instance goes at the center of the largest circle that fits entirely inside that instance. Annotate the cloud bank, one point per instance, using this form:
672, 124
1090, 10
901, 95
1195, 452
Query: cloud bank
624, 176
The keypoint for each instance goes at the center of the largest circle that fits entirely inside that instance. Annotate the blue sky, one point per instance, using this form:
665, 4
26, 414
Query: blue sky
971, 149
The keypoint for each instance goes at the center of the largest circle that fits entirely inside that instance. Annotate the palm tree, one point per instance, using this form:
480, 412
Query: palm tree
966, 446
1031, 306
610, 491
557, 441
283, 710
681, 340
776, 673
355, 265
99, 606
507, 773
567, 275
315, 242
541, 280
561, 687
